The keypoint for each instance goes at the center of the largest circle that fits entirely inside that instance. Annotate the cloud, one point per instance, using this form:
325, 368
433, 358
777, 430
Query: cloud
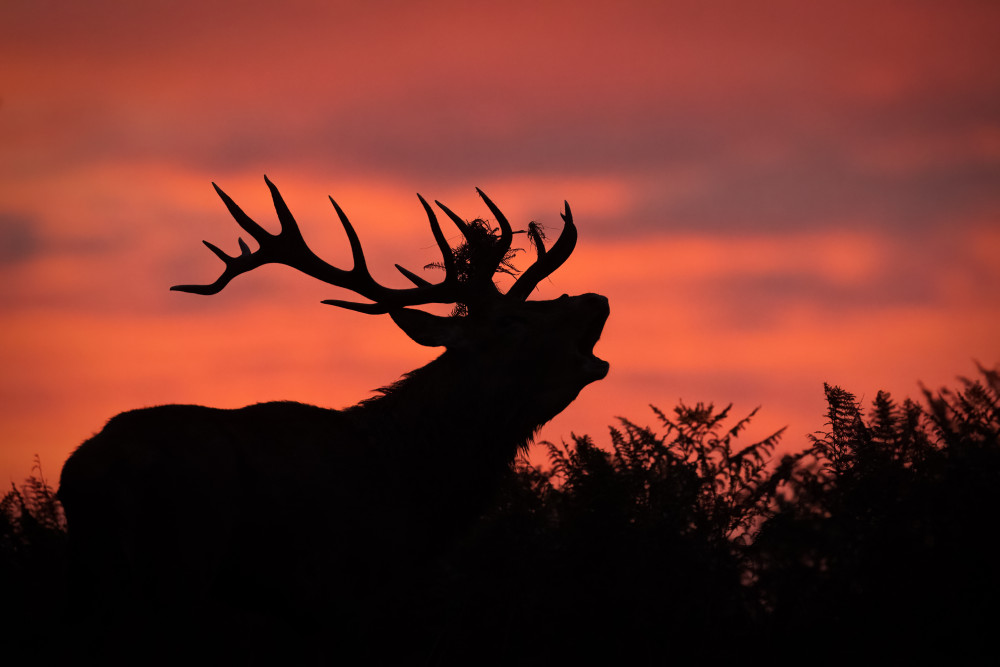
19, 238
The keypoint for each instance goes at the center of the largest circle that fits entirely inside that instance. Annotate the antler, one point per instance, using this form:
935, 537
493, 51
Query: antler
288, 247
546, 262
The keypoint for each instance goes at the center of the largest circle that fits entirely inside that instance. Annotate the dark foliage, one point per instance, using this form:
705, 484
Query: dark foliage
32, 567
482, 242
674, 544
627, 556
884, 545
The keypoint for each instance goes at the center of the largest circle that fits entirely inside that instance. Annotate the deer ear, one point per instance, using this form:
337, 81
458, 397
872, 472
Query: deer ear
426, 329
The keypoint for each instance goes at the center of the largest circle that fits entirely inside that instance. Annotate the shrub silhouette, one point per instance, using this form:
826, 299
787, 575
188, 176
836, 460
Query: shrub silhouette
883, 545
32, 566
636, 552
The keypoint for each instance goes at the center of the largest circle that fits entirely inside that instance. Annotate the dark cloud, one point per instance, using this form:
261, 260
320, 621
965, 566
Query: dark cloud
815, 194
19, 238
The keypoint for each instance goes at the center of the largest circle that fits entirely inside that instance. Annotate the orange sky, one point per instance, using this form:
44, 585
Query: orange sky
771, 194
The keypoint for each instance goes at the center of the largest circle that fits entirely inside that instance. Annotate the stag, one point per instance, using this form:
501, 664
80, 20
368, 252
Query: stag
298, 513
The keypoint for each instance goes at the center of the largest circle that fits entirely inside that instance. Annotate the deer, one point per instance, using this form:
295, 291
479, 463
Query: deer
302, 514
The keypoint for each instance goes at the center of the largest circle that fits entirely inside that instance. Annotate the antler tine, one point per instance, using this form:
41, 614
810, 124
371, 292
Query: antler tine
506, 233
447, 255
462, 225
242, 219
357, 253
547, 262
412, 277
289, 227
375, 308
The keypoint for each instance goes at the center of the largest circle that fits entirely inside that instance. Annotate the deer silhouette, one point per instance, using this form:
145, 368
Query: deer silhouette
294, 512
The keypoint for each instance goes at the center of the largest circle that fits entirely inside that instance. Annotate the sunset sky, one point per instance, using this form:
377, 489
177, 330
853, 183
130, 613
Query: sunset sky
772, 194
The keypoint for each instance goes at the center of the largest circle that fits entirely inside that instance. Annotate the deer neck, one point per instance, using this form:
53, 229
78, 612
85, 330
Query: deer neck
441, 439
454, 405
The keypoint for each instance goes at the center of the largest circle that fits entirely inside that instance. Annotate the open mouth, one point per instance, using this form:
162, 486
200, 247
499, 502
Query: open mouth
596, 368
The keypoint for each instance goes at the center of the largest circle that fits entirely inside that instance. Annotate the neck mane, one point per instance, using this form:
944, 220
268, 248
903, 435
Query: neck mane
453, 406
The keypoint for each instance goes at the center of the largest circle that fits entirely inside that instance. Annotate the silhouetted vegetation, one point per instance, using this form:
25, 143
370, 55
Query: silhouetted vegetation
674, 543
32, 566
885, 542
625, 555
